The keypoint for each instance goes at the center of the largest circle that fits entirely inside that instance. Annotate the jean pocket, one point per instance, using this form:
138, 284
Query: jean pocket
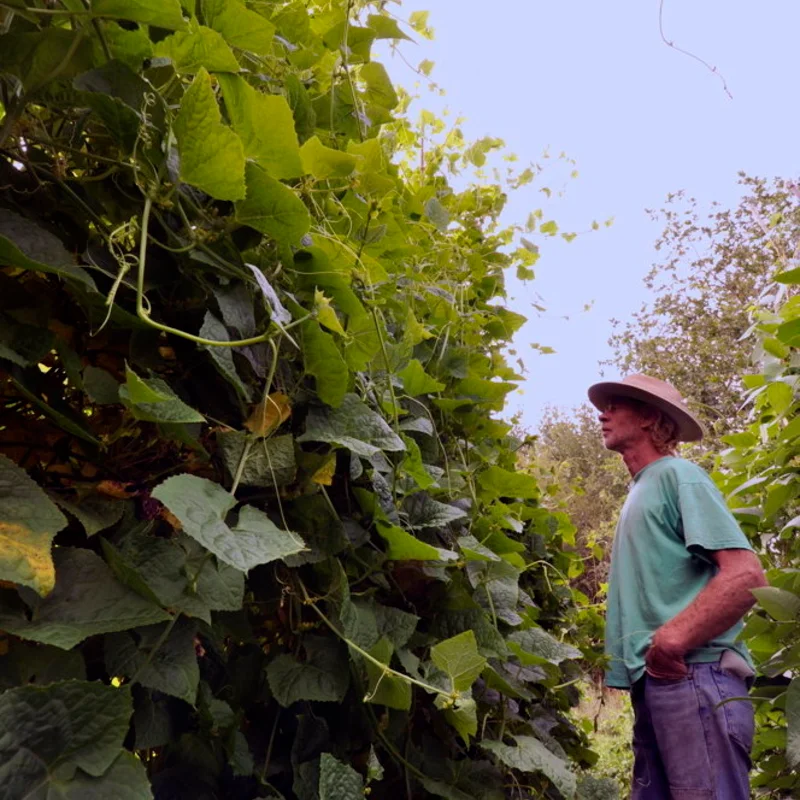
739, 714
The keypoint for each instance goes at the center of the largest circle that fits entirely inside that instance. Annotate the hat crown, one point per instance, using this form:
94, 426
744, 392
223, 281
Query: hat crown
655, 386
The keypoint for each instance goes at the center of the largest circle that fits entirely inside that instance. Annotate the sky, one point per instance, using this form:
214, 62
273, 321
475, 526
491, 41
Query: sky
641, 120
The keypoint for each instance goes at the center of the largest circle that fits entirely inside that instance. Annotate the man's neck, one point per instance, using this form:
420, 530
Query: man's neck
638, 457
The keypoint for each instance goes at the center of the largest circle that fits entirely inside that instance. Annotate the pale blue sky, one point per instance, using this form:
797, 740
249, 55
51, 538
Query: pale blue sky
594, 79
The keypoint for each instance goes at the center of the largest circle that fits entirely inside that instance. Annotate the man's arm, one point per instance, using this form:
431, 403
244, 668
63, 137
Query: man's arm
720, 605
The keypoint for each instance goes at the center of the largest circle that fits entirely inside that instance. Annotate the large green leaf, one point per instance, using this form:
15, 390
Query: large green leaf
154, 401
26, 245
270, 462
87, 600
416, 381
324, 162
323, 676
338, 781
404, 546
540, 643
50, 735
94, 511
171, 668
265, 125
780, 604
353, 425
28, 523
197, 48
272, 208
498, 482
202, 506
125, 779
241, 27
163, 13
212, 155
324, 361
530, 755
459, 659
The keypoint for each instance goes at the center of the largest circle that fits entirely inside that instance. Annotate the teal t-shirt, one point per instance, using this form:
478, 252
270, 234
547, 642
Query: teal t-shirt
673, 516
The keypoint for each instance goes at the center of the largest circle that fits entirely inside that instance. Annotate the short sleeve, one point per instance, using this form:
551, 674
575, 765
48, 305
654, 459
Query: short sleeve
706, 520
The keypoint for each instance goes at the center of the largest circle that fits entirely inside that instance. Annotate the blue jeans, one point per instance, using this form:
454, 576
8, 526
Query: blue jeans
686, 746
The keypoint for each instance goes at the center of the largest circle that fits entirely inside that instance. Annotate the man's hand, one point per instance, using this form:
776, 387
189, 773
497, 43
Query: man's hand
664, 659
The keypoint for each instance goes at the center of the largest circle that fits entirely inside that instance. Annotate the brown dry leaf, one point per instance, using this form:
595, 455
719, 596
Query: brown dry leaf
170, 518
269, 414
324, 475
27, 555
115, 489
167, 353
65, 332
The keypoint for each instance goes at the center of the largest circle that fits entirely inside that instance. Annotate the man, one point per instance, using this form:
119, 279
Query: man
681, 575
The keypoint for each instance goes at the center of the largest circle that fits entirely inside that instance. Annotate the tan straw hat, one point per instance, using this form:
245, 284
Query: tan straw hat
657, 393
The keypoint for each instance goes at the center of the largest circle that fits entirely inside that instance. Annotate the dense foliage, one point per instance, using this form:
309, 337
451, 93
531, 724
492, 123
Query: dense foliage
261, 534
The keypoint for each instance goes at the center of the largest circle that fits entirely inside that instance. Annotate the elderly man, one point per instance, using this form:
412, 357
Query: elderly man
681, 575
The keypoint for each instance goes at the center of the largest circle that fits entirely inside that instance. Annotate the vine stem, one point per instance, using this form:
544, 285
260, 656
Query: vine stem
387, 670
144, 314
248, 445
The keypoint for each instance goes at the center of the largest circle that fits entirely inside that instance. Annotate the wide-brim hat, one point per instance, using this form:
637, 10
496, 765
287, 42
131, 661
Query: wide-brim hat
660, 394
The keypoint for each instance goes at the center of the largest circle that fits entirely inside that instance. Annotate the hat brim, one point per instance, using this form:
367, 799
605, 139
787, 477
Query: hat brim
689, 428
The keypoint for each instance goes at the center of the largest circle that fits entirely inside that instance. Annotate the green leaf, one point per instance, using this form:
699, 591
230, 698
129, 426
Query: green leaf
789, 276
100, 386
212, 155
195, 49
28, 523
323, 676
326, 314
222, 357
540, 643
162, 13
272, 208
437, 214
265, 125
385, 27
530, 755
396, 625
496, 482
405, 547
28, 663
125, 779
171, 668
176, 573
416, 381
384, 688
202, 505
380, 91
459, 659
242, 28
413, 466
324, 361
129, 47
94, 511
352, 425
324, 162
338, 781
422, 511
270, 462
793, 724
780, 604
463, 716
780, 396
26, 245
789, 332
49, 734
87, 600
168, 407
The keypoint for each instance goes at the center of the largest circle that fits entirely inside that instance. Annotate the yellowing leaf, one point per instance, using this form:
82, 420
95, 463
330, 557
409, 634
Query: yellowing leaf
326, 316
28, 523
324, 475
271, 412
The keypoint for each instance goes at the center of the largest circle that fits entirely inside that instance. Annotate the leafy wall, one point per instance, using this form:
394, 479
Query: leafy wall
261, 531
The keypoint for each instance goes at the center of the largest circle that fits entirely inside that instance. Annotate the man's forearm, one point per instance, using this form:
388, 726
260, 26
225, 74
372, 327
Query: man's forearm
719, 606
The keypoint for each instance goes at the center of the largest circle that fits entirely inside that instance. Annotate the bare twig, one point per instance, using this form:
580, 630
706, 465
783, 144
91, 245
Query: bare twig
670, 43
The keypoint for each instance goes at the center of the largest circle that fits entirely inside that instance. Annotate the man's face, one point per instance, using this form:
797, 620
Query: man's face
621, 424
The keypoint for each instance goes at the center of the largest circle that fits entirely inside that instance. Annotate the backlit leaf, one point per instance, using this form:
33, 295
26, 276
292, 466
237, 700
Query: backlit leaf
212, 155
240, 26
416, 381
163, 13
324, 361
459, 659
324, 162
265, 125
197, 48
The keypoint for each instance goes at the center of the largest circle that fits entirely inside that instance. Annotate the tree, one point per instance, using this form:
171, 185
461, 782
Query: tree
260, 532
585, 480
714, 269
